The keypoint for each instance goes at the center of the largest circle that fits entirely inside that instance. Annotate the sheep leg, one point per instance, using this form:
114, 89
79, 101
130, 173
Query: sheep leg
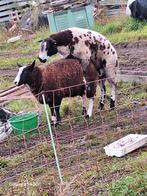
57, 109
90, 107
113, 90
85, 64
84, 111
103, 93
112, 69
53, 116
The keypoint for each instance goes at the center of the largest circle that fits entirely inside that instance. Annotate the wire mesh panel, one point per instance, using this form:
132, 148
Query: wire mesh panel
28, 165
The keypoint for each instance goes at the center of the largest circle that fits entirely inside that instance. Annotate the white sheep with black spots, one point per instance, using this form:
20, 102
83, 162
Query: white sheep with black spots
88, 46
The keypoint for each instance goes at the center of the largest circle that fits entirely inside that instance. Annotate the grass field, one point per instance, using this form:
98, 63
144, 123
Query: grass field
86, 169
117, 30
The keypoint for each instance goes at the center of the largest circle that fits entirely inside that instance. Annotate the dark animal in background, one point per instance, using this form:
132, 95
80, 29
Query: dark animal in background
26, 22
139, 9
57, 80
88, 46
5, 115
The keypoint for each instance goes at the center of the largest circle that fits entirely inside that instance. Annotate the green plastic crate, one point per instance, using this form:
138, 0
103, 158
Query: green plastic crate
73, 17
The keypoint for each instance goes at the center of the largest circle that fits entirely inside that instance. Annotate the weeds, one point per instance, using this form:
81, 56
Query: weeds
5, 82
133, 185
123, 29
21, 105
3, 163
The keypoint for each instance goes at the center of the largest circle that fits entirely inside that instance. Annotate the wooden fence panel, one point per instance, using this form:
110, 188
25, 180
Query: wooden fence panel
3, 2
113, 2
6, 7
113, 7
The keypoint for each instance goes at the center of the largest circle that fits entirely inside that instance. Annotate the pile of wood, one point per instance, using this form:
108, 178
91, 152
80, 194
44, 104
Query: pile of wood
65, 4
113, 7
11, 9
16, 93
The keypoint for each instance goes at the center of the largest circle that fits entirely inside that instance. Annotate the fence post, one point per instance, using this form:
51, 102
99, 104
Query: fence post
52, 139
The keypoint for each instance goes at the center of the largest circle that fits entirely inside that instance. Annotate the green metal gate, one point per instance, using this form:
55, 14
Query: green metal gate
74, 17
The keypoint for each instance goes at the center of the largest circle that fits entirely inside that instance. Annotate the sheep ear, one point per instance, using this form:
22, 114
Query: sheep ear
40, 40
19, 65
31, 67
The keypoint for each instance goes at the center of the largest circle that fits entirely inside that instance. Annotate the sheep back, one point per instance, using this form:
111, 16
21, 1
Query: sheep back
58, 76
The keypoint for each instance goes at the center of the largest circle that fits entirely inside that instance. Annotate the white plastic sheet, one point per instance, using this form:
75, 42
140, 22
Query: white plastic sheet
125, 145
5, 131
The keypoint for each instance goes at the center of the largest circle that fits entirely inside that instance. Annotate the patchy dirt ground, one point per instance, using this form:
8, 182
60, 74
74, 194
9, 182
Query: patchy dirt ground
80, 151
132, 57
80, 146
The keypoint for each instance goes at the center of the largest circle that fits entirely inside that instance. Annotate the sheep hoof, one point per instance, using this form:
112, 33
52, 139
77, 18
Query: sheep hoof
101, 106
53, 123
112, 108
58, 123
87, 117
84, 111
112, 104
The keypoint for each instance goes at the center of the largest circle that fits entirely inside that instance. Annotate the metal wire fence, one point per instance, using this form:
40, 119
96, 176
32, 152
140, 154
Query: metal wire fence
27, 162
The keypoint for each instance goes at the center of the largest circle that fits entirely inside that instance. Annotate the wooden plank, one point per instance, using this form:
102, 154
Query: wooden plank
114, 11
13, 5
5, 13
15, 92
21, 4
10, 90
110, 6
113, 2
4, 2
6, 7
9, 98
18, 93
5, 19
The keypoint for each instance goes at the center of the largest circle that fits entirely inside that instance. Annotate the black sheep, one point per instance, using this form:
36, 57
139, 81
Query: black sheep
63, 78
